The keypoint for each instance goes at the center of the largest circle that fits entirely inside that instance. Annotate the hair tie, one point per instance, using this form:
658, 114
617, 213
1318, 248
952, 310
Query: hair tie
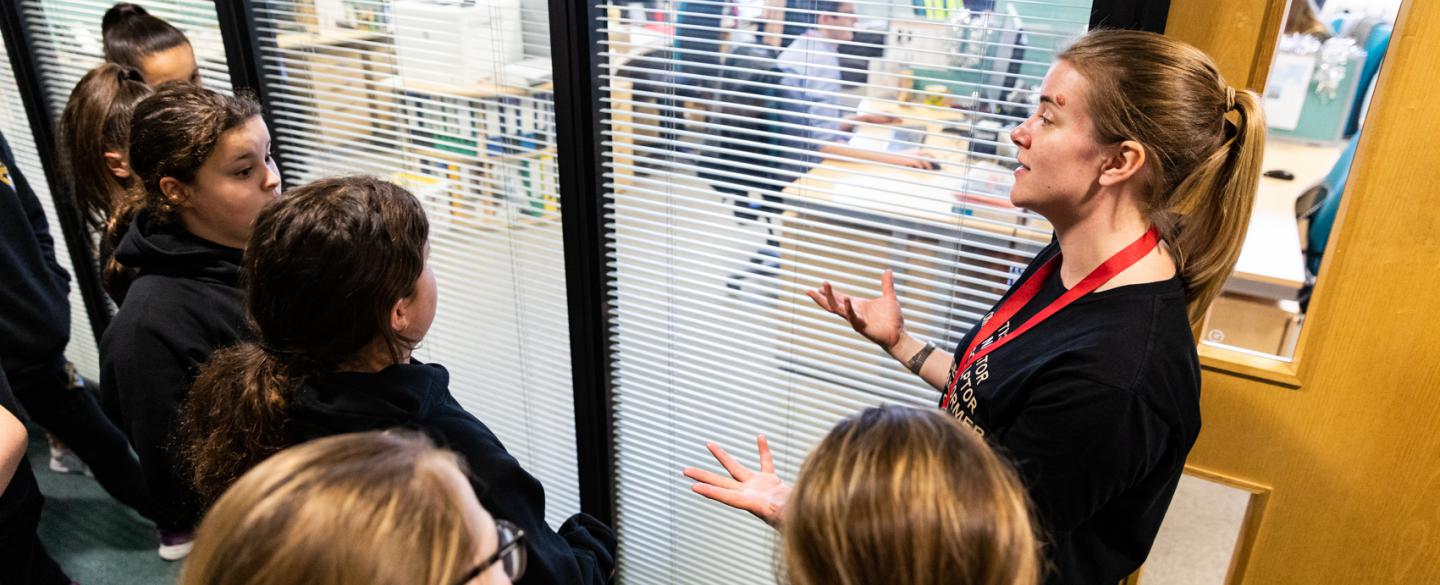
125, 74
1229, 98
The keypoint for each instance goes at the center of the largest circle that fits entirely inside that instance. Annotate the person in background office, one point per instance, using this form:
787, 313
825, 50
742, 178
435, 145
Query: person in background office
204, 167
340, 291
134, 38
35, 319
747, 156
1086, 373
1302, 20
376, 508
901, 495
811, 64
23, 558
95, 142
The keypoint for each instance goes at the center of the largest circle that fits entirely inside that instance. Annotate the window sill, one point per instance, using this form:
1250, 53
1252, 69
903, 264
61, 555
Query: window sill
1256, 367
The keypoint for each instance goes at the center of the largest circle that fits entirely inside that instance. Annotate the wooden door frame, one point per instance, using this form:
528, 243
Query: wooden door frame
1342, 442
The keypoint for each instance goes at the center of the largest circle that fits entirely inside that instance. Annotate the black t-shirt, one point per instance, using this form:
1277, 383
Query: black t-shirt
1097, 406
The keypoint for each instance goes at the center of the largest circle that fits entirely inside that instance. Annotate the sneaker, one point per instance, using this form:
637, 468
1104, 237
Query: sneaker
63, 460
175, 545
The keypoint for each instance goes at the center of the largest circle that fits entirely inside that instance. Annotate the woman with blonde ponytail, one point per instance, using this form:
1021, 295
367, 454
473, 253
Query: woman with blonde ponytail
1085, 373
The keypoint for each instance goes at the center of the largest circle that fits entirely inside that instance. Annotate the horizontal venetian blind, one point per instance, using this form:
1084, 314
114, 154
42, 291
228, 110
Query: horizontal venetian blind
453, 101
16, 126
65, 35
721, 213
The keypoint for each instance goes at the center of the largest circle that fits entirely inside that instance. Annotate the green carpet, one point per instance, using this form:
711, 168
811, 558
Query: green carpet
96, 540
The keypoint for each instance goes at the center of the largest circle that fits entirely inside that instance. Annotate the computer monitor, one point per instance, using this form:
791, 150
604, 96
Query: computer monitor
974, 54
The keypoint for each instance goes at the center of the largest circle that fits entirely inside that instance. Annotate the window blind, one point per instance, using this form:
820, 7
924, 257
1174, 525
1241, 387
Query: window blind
452, 100
16, 126
65, 35
721, 213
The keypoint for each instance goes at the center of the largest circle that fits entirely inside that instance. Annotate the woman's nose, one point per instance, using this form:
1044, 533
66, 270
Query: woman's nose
1020, 135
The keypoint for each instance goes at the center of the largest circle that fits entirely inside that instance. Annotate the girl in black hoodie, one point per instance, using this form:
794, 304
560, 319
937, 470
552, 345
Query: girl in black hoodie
339, 291
204, 165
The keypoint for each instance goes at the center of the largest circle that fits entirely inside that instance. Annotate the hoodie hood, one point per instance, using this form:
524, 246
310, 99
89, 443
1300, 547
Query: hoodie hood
400, 395
151, 247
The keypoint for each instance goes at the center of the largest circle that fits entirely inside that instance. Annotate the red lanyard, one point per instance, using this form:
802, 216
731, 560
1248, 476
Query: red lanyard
1098, 277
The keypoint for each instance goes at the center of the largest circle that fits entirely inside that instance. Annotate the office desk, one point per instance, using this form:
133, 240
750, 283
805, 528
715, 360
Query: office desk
1271, 264
967, 196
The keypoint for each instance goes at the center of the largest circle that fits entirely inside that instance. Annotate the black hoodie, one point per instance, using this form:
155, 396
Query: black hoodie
417, 396
183, 305
34, 306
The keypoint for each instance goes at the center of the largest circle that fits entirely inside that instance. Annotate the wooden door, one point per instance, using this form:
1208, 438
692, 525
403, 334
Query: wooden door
1342, 447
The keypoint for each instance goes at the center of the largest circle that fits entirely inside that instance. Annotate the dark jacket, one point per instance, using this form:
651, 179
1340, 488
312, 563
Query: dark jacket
34, 289
23, 558
183, 305
417, 396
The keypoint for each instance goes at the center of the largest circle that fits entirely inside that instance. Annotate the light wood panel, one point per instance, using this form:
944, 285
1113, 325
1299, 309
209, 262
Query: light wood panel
1350, 458
1238, 34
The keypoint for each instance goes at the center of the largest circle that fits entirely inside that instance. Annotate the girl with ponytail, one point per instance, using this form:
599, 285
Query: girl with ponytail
1085, 374
202, 167
160, 52
95, 139
339, 291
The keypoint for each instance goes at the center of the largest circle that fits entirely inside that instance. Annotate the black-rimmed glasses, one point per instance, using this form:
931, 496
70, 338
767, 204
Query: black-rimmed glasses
510, 554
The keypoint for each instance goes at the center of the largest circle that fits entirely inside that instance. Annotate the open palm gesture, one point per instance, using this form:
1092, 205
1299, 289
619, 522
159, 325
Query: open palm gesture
878, 319
760, 493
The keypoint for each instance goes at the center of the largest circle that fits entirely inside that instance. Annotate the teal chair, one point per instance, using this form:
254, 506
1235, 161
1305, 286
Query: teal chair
1315, 210
1318, 217
1373, 35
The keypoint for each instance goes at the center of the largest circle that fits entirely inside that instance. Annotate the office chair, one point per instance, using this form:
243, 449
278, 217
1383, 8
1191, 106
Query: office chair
752, 140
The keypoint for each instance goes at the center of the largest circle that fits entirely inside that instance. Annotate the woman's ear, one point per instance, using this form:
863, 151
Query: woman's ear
117, 164
1126, 160
176, 193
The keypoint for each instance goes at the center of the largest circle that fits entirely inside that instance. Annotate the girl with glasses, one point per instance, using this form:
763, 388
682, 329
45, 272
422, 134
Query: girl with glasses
374, 508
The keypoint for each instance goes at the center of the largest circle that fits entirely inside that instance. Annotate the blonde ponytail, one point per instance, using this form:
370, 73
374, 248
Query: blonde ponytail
1213, 207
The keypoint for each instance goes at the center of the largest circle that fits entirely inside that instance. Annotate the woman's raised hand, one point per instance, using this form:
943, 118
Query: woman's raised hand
759, 493
878, 319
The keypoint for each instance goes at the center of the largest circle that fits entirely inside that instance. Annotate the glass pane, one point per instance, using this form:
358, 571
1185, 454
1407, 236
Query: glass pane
755, 148
452, 100
1324, 71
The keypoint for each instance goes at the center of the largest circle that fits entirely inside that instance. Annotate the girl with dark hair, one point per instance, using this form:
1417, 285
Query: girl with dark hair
202, 160
95, 139
134, 38
339, 291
